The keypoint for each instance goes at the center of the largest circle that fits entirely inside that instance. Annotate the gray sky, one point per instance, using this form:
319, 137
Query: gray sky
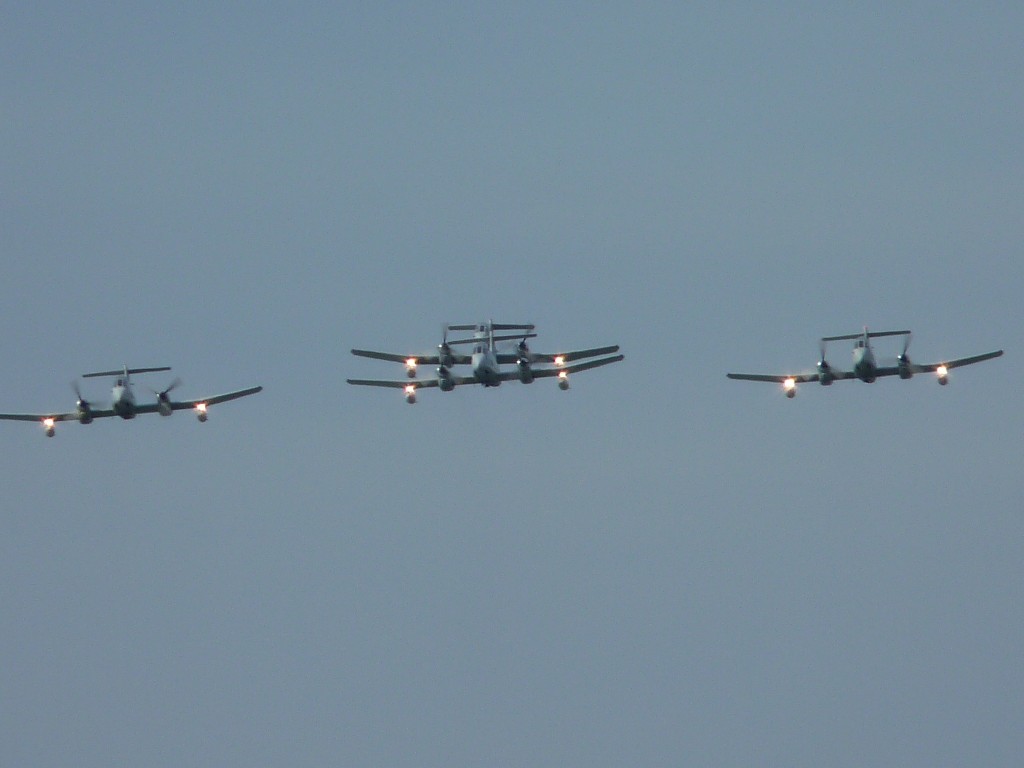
659, 567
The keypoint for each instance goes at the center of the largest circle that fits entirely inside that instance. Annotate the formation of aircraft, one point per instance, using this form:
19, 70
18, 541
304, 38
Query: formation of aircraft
485, 360
865, 365
123, 403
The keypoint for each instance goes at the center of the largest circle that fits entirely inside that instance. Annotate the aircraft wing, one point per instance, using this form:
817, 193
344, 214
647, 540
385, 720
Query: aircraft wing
55, 416
546, 372
932, 367
890, 371
417, 383
420, 359
392, 357
566, 357
799, 378
505, 376
182, 405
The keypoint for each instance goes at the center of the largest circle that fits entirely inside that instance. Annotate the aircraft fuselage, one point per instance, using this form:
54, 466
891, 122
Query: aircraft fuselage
122, 399
485, 365
864, 365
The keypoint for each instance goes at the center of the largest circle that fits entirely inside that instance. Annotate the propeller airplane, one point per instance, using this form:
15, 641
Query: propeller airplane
486, 361
865, 366
123, 402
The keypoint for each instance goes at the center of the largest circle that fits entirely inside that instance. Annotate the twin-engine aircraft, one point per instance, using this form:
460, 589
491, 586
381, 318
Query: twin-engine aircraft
486, 361
865, 365
123, 404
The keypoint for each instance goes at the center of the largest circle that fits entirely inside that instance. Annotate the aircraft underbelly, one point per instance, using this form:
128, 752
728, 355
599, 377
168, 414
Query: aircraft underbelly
487, 376
865, 373
125, 409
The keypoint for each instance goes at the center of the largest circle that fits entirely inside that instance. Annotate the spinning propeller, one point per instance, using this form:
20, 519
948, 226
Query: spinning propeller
163, 396
825, 375
444, 351
523, 350
822, 362
902, 358
82, 404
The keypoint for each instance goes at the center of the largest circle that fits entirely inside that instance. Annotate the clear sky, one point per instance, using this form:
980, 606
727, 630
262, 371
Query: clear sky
659, 567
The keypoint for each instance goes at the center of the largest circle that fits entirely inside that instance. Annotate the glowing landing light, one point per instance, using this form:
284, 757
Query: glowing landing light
410, 367
563, 380
559, 360
201, 411
943, 373
48, 426
410, 393
789, 387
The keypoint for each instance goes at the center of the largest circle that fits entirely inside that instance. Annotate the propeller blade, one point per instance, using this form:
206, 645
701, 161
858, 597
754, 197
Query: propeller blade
163, 395
906, 344
821, 347
78, 393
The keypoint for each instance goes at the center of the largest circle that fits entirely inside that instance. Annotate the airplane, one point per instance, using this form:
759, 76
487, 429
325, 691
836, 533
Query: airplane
123, 402
865, 365
486, 361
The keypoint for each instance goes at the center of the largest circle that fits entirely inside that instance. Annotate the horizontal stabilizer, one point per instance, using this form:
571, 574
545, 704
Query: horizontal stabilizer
871, 335
512, 326
122, 371
482, 339
492, 326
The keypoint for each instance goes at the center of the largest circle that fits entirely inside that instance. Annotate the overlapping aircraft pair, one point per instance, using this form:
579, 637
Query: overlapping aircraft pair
486, 359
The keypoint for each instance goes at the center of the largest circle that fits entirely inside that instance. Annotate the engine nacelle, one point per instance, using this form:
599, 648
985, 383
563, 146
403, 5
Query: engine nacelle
825, 374
903, 367
525, 371
84, 412
444, 379
163, 405
445, 356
